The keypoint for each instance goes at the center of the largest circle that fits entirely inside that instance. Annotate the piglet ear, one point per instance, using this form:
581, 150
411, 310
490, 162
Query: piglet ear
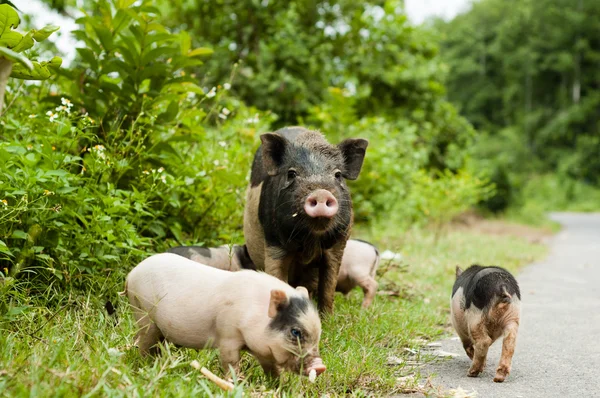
302, 290
273, 150
458, 271
354, 150
278, 299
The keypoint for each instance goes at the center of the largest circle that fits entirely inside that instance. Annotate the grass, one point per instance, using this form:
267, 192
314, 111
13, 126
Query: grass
76, 349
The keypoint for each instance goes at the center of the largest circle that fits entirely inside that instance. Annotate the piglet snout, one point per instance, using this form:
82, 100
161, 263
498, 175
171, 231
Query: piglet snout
317, 365
321, 203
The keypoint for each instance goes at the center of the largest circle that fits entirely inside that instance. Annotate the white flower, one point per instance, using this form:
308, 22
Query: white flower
163, 178
211, 93
52, 115
222, 116
216, 162
4, 202
223, 144
252, 120
227, 86
32, 116
66, 102
146, 172
161, 169
225, 111
63, 108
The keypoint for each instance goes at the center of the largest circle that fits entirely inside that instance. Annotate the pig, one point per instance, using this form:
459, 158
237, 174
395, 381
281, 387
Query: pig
298, 212
359, 264
228, 258
197, 306
486, 304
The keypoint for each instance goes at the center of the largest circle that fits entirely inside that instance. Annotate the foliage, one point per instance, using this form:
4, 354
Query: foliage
12, 45
130, 156
530, 67
397, 183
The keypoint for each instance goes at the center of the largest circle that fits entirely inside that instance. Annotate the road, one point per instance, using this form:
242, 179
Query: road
558, 345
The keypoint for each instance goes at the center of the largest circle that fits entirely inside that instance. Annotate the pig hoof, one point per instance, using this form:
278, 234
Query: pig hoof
501, 374
473, 372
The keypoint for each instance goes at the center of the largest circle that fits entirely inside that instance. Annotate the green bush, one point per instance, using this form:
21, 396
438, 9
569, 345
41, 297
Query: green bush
134, 155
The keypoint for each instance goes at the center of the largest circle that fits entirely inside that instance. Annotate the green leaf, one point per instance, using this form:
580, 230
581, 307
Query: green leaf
16, 57
45, 32
200, 51
41, 70
8, 19
4, 249
25, 43
18, 234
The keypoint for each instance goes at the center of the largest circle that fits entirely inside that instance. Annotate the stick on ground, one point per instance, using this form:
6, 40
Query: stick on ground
224, 385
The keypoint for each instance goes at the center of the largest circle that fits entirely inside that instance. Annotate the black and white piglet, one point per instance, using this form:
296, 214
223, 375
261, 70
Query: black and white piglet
486, 304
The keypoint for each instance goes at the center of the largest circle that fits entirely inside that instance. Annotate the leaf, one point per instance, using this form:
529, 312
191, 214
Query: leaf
200, 51
4, 249
170, 114
41, 70
16, 57
45, 32
25, 43
8, 19
19, 234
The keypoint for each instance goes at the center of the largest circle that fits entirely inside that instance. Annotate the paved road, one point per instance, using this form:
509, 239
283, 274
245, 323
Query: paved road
558, 346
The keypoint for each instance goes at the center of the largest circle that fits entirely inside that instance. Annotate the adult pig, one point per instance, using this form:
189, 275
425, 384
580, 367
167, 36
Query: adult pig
198, 306
298, 211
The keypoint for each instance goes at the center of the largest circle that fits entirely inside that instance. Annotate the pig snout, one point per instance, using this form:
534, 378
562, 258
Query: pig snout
317, 365
321, 203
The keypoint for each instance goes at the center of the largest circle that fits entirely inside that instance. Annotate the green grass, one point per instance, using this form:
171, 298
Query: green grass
75, 349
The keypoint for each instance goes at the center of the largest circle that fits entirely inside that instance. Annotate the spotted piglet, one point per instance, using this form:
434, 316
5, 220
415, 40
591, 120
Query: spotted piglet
197, 306
486, 304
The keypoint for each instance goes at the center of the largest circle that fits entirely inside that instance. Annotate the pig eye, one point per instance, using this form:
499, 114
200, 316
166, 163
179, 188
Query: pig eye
291, 174
338, 175
296, 333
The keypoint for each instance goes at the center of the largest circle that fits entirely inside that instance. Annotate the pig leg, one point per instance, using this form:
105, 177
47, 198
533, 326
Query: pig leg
269, 367
277, 267
230, 356
508, 349
328, 276
480, 348
369, 287
148, 337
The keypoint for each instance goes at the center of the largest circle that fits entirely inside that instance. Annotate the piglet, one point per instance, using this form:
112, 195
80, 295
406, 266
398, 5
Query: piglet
359, 264
486, 304
197, 306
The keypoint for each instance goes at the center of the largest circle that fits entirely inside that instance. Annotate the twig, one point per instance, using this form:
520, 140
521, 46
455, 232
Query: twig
224, 385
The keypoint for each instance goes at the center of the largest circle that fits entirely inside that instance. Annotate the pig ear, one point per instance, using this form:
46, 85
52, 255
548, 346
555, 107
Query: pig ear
278, 299
354, 153
273, 150
458, 271
302, 291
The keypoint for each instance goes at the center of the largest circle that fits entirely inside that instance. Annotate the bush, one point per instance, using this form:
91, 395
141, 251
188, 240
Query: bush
134, 154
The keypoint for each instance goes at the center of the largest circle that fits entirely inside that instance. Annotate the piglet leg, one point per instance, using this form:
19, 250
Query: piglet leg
481, 346
230, 357
369, 287
508, 349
